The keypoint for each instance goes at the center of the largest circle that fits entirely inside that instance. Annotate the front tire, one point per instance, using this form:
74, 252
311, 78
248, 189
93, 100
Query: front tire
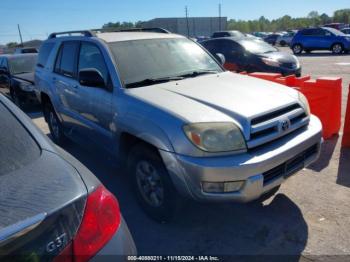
337, 49
151, 182
297, 49
55, 126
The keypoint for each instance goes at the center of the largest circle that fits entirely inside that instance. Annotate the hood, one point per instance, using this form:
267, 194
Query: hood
281, 57
29, 77
220, 97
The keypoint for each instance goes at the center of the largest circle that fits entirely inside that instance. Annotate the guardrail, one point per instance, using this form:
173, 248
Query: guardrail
324, 95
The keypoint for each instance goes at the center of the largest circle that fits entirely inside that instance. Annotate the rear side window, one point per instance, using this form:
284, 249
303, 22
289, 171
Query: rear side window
44, 54
66, 59
17, 147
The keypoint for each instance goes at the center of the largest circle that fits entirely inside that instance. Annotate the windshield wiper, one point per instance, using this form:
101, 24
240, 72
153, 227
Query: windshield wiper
153, 81
199, 73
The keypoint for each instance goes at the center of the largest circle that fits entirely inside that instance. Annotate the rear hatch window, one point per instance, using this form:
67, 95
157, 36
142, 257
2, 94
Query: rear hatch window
17, 147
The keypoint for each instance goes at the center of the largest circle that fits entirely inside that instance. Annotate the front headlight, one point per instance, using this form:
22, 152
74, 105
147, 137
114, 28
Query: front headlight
215, 137
271, 62
303, 101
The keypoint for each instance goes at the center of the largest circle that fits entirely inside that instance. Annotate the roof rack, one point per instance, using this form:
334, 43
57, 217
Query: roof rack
86, 33
134, 29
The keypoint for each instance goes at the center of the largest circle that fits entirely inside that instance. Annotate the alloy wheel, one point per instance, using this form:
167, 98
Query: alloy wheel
149, 183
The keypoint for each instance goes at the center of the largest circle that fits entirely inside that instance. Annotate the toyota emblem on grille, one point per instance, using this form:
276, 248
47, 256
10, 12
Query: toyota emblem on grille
285, 125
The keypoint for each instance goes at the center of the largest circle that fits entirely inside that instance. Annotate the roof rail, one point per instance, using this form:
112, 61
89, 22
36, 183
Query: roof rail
86, 33
134, 29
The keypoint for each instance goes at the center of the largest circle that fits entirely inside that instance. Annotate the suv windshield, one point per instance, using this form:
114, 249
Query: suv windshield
22, 64
257, 46
146, 61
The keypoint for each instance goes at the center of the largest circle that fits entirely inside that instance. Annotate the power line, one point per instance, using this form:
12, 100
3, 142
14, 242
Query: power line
20, 35
188, 27
220, 17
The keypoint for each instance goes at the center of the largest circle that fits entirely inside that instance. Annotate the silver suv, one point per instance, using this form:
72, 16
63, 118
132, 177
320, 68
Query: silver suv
183, 126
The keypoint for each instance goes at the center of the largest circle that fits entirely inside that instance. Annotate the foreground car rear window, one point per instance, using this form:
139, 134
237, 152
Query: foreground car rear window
17, 147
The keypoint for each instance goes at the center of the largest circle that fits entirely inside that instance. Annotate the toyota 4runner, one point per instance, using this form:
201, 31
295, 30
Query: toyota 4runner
166, 108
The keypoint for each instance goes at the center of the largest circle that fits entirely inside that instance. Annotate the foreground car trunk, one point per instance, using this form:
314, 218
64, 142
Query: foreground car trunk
41, 210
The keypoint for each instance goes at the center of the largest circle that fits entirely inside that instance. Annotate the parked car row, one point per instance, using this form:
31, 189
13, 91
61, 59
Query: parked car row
161, 104
334, 37
321, 38
17, 75
251, 55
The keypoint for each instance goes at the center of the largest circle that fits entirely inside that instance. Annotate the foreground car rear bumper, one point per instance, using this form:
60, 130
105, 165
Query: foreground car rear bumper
257, 168
119, 247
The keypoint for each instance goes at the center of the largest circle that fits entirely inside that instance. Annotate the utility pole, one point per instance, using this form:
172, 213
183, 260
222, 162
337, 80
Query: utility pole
20, 34
219, 17
188, 26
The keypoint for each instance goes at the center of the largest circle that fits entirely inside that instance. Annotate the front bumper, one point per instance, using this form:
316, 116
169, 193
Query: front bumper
188, 173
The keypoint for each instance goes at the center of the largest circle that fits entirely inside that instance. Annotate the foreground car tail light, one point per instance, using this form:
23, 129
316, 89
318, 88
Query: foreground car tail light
100, 222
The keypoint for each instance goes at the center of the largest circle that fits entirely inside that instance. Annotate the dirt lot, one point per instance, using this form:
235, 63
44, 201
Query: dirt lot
310, 216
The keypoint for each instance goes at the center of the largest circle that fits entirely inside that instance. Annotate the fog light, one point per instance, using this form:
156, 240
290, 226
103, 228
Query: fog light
222, 187
233, 186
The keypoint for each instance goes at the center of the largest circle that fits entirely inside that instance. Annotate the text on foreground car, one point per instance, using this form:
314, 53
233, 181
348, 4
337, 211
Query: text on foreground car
52, 207
322, 38
17, 75
182, 124
253, 55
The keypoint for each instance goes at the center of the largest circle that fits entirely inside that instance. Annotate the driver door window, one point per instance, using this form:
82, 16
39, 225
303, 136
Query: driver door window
90, 57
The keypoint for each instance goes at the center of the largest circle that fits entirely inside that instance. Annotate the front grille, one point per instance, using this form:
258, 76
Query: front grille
273, 125
291, 166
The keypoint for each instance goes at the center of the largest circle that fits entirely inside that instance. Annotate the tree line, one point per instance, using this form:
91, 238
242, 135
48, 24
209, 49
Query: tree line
287, 22
263, 24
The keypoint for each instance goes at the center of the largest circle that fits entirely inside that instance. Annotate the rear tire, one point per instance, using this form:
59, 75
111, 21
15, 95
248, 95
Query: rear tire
283, 43
297, 49
55, 126
151, 182
337, 49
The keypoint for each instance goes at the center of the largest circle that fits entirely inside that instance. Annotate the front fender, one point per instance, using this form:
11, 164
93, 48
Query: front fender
146, 130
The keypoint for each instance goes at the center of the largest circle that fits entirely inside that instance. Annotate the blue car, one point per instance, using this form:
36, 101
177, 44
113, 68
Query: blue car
322, 38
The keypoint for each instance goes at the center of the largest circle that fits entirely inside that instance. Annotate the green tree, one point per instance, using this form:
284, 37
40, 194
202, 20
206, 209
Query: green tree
342, 16
12, 44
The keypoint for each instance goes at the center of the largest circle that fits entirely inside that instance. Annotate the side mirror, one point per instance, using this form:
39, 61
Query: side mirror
91, 77
220, 58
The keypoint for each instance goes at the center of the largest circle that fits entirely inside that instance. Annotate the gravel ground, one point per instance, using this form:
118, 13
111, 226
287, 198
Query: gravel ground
309, 218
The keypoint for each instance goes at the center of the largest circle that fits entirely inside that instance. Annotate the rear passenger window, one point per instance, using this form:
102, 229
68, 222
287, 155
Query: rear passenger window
44, 54
90, 57
66, 59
